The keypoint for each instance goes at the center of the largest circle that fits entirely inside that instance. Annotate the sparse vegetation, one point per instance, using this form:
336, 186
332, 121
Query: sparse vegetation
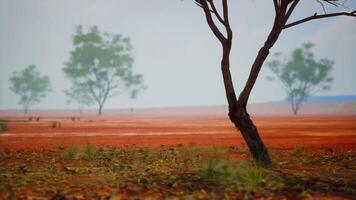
55, 124
186, 172
3, 125
75, 119
34, 119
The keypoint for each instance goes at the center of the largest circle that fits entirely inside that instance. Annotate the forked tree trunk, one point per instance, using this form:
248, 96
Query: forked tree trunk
237, 108
239, 116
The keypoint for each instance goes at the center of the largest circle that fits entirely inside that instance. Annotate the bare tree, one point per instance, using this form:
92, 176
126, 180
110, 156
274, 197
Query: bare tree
237, 106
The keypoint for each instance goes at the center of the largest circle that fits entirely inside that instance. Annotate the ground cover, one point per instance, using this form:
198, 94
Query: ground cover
175, 172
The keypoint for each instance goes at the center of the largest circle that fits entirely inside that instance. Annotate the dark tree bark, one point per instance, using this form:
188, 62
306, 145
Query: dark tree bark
237, 107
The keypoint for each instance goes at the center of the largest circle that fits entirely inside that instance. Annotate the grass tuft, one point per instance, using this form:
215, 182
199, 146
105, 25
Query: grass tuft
250, 176
88, 152
245, 174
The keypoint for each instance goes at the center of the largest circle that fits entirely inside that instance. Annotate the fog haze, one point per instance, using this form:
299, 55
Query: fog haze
173, 47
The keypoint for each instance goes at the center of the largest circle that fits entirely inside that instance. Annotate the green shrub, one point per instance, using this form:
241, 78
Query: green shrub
250, 175
88, 152
71, 153
217, 170
3, 125
246, 175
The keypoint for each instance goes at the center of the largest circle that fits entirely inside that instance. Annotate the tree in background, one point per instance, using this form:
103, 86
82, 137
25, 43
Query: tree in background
302, 75
218, 21
30, 86
100, 67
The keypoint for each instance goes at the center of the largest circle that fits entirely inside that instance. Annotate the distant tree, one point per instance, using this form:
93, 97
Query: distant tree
217, 18
30, 86
302, 75
100, 67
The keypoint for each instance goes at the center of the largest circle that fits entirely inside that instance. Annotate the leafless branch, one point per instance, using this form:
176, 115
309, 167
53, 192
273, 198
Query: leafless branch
203, 4
215, 11
226, 19
316, 16
322, 5
290, 9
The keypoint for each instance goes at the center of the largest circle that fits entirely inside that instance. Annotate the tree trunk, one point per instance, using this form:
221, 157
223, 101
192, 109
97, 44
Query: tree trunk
295, 109
243, 122
100, 109
295, 105
239, 116
237, 108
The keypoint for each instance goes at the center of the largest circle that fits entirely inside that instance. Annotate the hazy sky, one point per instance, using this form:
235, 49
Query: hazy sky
173, 47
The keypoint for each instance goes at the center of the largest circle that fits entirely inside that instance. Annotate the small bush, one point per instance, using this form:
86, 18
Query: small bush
72, 153
55, 124
217, 170
75, 119
250, 175
34, 119
246, 175
3, 125
88, 152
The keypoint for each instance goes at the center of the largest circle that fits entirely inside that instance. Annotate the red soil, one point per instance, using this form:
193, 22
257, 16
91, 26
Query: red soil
146, 130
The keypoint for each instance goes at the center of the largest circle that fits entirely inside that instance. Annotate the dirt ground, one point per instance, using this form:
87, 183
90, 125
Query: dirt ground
157, 130
69, 156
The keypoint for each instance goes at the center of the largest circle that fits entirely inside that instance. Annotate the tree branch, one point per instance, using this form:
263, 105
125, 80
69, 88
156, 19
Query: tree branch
215, 11
276, 6
226, 19
316, 16
290, 9
203, 4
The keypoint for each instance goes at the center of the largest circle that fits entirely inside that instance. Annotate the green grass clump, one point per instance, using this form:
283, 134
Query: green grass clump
88, 152
217, 170
250, 176
3, 125
71, 153
245, 174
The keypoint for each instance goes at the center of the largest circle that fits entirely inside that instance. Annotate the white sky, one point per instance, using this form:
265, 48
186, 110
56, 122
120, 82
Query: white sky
173, 47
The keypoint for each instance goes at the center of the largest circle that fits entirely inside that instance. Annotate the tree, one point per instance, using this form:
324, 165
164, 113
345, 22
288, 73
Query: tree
30, 86
302, 75
220, 26
100, 67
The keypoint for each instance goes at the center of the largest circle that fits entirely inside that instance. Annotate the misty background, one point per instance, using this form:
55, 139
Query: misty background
173, 47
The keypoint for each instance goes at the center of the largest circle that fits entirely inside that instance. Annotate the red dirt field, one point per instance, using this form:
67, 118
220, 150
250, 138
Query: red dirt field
156, 130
